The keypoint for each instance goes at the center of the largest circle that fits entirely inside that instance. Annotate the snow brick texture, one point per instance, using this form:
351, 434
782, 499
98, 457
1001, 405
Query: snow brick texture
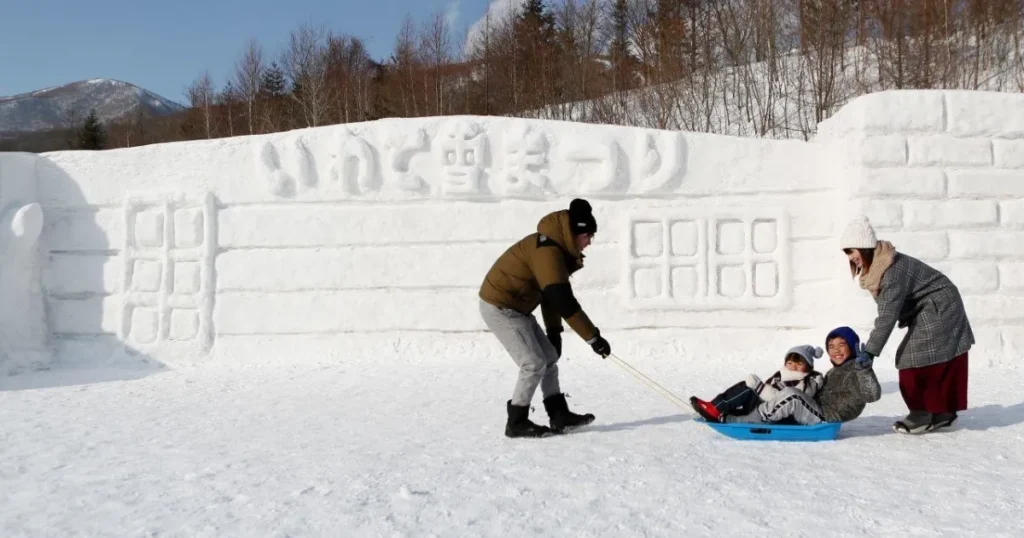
336, 241
23, 331
941, 175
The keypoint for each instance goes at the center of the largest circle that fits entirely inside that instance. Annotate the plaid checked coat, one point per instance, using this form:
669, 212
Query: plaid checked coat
918, 297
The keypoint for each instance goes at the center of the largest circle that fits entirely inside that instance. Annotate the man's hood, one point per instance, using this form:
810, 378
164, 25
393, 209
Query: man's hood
556, 226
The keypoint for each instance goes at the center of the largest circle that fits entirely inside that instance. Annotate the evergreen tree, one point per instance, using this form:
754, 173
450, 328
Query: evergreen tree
536, 56
536, 9
273, 83
623, 62
273, 88
537, 22
619, 46
229, 94
93, 135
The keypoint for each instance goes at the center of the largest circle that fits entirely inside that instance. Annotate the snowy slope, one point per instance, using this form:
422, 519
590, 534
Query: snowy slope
756, 99
47, 108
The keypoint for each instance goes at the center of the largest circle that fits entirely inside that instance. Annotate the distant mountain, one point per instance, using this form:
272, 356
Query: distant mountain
50, 108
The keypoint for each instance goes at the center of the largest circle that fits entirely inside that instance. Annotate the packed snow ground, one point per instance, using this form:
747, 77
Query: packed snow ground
413, 446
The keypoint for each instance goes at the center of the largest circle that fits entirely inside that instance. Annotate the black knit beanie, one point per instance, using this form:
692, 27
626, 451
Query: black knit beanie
581, 217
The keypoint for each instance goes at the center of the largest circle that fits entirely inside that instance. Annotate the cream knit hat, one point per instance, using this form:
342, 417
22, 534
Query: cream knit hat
858, 234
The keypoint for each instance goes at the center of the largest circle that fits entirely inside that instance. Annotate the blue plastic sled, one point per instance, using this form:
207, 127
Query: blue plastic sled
827, 431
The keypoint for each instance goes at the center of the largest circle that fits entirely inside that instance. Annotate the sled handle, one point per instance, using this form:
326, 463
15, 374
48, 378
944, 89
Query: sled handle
761, 431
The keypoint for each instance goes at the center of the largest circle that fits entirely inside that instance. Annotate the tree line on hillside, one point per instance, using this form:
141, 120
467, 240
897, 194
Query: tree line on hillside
770, 68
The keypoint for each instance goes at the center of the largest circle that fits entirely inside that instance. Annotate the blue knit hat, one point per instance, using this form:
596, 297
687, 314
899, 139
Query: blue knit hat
847, 334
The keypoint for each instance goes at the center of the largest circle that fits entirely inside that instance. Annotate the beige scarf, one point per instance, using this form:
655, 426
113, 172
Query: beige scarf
885, 253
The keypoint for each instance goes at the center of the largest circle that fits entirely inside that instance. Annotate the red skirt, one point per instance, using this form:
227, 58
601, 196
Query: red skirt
939, 388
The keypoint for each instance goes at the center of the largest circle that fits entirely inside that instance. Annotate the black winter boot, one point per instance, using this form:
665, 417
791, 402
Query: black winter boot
562, 419
519, 424
915, 422
942, 420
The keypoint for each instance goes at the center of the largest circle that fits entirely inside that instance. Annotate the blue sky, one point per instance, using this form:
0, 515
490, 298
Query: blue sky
163, 47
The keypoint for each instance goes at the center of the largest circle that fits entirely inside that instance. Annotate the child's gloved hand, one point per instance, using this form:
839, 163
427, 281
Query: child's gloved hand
864, 359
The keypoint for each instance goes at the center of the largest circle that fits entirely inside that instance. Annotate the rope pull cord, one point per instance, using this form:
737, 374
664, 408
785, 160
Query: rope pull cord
651, 384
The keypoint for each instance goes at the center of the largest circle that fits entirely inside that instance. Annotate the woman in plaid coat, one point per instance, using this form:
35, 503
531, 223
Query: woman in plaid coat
932, 359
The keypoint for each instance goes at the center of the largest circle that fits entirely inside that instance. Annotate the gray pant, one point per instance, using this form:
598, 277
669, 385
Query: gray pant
529, 347
789, 402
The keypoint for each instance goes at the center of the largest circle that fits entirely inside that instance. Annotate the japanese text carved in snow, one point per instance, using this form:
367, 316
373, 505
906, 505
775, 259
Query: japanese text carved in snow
465, 157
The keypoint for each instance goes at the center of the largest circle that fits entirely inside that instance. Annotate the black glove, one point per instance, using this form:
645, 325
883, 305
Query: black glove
555, 337
600, 345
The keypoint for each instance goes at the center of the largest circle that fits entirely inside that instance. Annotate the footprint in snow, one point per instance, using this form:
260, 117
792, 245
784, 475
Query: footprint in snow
407, 493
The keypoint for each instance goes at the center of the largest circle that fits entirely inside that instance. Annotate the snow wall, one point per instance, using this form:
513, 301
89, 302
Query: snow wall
373, 238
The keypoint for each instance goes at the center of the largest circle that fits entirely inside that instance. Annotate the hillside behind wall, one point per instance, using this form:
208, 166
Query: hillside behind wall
941, 175
360, 236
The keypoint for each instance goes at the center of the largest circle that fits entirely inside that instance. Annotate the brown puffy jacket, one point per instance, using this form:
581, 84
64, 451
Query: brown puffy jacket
535, 272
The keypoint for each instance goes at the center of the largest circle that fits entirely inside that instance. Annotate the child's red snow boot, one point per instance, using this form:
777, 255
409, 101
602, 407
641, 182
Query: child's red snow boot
706, 409
563, 420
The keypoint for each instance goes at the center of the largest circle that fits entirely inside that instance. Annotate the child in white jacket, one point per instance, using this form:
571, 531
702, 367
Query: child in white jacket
742, 398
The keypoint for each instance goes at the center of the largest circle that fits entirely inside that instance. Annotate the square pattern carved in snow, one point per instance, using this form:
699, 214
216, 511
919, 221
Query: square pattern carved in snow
168, 270
709, 260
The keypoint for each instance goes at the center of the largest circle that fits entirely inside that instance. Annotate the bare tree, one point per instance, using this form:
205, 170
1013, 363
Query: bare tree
405, 66
201, 97
483, 56
621, 75
766, 98
350, 74
581, 41
249, 71
305, 64
744, 67
132, 127
506, 76
658, 69
1014, 35
137, 128
992, 27
436, 47
734, 26
227, 99
701, 72
492, 70
824, 26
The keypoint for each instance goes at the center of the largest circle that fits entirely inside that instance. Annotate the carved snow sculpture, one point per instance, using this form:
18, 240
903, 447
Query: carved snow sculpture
353, 165
525, 153
653, 168
461, 152
586, 164
23, 323
288, 170
169, 282
694, 259
400, 146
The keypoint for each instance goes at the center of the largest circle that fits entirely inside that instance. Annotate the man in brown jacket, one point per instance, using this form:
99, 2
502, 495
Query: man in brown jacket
535, 272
